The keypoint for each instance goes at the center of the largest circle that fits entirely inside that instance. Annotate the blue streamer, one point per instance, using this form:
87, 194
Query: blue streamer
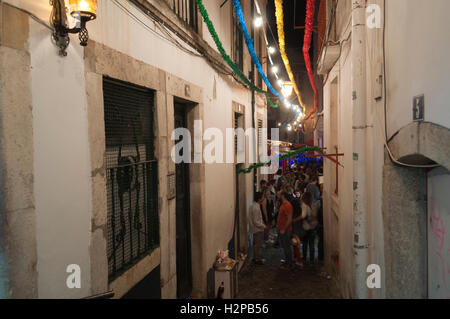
251, 48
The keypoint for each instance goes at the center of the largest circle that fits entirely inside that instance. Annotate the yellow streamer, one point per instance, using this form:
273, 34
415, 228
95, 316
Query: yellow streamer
281, 38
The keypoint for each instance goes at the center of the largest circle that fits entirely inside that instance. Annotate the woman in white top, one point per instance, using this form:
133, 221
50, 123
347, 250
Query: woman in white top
309, 216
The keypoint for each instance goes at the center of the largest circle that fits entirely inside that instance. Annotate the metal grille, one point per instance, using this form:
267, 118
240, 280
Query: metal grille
132, 175
260, 135
187, 11
236, 126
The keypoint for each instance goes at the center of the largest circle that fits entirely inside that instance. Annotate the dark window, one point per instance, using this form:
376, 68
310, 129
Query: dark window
261, 59
236, 126
132, 175
187, 11
240, 137
238, 44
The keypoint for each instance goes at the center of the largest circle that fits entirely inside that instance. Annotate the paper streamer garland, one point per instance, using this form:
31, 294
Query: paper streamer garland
310, 10
282, 43
225, 56
302, 150
251, 48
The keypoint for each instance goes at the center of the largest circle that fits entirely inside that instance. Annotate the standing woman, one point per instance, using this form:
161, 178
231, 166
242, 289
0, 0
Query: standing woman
310, 222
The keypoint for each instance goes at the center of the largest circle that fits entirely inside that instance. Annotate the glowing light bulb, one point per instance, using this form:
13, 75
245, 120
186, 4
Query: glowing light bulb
287, 89
83, 5
271, 50
258, 21
274, 69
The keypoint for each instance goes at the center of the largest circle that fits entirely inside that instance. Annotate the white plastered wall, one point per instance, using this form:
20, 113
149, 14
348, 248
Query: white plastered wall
62, 158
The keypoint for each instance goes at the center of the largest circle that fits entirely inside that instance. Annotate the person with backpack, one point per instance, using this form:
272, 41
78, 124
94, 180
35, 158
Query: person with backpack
310, 223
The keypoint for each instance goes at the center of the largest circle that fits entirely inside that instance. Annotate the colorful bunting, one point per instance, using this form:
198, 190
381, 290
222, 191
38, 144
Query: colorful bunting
225, 56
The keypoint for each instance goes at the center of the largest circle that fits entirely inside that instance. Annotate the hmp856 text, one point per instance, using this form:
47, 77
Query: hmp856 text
246, 309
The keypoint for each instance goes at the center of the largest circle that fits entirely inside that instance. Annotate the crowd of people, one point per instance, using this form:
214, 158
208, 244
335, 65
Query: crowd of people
289, 206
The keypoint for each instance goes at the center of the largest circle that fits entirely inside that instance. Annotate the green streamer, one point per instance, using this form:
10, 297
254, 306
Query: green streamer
302, 150
226, 57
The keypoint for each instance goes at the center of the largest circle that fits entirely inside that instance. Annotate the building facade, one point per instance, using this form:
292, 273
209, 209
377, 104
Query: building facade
87, 176
384, 92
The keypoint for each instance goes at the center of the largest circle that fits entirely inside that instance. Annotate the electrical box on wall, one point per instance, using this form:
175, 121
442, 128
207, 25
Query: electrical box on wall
419, 108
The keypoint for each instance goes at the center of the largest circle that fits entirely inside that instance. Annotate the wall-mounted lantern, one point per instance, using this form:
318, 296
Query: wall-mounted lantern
82, 11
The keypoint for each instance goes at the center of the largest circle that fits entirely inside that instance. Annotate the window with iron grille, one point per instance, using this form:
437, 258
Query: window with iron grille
132, 175
187, 11
260, 135
239, 137
236, 126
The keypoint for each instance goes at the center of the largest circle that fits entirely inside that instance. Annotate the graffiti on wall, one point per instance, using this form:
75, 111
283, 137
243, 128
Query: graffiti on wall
438, 237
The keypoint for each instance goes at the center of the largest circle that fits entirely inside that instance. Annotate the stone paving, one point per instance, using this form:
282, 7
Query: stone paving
271, 282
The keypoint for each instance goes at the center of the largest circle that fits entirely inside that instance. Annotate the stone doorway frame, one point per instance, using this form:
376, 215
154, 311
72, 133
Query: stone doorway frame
405, 206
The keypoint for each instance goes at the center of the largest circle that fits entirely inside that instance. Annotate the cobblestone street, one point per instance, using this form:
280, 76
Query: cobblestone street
270, 282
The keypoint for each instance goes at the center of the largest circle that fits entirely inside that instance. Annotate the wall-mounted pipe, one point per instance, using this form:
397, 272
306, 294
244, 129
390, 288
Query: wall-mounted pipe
360, 213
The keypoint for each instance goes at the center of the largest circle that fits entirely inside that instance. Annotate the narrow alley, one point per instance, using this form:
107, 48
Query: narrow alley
190, 151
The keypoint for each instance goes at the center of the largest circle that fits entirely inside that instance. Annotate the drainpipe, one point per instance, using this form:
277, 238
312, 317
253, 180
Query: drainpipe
359, 94
252, 79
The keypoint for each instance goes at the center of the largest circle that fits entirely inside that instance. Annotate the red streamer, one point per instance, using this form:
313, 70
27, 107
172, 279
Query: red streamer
309, 23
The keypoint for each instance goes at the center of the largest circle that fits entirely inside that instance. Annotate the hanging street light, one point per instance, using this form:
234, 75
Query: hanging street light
287, 88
